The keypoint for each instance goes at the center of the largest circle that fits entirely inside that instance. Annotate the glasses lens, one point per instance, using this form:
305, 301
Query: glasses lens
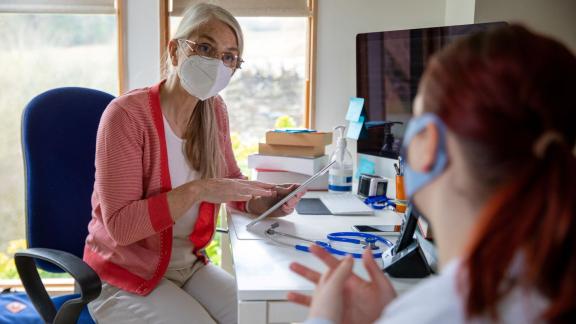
229, 59
203, 49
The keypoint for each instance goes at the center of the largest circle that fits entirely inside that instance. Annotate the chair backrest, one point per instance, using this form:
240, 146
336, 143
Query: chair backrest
59, 143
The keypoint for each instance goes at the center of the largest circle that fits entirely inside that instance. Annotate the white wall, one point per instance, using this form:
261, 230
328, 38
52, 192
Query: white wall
338, 23
459, 12
141, 43
553, 17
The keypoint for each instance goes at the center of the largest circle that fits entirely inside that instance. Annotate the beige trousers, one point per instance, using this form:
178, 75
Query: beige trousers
200, 294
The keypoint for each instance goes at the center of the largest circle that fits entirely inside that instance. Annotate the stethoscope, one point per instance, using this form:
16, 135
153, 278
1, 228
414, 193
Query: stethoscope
364, 240
380, 202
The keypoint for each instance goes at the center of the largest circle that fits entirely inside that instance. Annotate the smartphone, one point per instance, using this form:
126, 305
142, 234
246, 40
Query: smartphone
378, 229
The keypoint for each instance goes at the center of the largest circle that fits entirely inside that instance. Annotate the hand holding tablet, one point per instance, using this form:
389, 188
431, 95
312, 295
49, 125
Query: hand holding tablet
300, 188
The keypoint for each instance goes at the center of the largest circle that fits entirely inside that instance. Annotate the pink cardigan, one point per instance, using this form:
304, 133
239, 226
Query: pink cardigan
130, 235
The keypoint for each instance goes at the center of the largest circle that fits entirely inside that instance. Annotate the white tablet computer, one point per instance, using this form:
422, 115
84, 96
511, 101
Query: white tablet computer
290, 195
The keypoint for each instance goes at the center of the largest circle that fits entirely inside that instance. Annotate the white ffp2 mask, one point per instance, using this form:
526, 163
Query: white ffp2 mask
204, 77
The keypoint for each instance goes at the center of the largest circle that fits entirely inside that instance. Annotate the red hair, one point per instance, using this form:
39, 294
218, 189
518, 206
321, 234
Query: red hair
499, 92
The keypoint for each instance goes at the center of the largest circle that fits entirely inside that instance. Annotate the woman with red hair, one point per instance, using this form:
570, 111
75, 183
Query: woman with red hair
491, 164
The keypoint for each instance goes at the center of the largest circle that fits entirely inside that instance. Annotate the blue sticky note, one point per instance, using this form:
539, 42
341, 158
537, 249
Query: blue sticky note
365, 166
355, 109
355, 128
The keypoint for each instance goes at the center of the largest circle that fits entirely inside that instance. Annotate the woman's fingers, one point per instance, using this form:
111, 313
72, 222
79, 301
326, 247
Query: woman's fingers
305, 272
325, 256
259, 184
299, 298
287, 210
375, 273
377, 276
284, 191
290, 204
240, 197
257, 192
337, 277
288, 186
288, 207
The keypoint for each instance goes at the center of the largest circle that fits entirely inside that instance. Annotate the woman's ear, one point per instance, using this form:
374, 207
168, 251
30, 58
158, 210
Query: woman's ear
423, 149
173, 52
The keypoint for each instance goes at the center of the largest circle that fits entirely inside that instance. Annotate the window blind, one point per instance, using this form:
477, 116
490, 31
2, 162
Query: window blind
58, 6
250, 8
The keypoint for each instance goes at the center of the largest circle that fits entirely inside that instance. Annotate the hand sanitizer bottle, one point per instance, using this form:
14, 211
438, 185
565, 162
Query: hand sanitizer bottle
340, 174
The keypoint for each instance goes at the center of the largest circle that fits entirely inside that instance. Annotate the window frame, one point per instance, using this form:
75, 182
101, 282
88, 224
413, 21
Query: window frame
310, 68
58, 286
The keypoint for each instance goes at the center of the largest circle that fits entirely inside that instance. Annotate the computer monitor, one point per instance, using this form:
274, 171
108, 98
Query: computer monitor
389, 66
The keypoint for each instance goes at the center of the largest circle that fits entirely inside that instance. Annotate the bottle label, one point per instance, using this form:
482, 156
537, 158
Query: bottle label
340, 180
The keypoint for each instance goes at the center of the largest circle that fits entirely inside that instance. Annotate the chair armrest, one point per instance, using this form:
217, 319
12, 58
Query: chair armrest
87, 279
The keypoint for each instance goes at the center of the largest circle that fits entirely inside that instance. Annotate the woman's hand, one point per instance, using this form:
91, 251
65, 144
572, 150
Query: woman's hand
259, 205
224, 190
342, 296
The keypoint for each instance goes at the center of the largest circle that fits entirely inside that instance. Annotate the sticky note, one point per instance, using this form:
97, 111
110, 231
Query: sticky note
355, 128
355, 109
365, 166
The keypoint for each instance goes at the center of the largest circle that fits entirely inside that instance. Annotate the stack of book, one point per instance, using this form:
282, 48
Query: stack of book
291, 158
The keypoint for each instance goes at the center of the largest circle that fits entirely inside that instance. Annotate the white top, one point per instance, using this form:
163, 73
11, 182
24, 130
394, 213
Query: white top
180, 173
437, 300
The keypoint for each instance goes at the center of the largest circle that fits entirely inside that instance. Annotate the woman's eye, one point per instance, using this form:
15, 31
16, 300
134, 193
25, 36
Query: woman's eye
228, 57
204, 49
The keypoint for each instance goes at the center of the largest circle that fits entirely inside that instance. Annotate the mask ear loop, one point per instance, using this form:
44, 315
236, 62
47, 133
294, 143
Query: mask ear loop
415, 180
179, 47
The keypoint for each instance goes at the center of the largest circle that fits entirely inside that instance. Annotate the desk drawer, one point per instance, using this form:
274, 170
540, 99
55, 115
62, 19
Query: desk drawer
286, 312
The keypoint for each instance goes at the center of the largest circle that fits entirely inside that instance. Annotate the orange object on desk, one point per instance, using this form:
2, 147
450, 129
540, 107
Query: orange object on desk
400, 195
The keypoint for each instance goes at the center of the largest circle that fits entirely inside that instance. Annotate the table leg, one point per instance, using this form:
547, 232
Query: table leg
226, 263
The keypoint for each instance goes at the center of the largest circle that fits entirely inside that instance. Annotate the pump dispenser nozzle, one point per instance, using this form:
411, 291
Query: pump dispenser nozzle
341, 142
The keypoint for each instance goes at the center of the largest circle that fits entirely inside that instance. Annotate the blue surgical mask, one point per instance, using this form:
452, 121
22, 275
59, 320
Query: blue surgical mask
414, 180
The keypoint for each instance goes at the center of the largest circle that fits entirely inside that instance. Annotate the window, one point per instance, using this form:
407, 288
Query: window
271, 89
44, 45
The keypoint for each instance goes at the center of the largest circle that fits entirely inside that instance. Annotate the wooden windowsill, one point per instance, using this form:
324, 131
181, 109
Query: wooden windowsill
54, 286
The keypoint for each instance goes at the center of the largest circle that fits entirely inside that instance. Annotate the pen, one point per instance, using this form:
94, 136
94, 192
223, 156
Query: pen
397, 169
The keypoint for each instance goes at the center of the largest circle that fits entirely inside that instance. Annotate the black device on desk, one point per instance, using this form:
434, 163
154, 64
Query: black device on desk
406, 259
385, 230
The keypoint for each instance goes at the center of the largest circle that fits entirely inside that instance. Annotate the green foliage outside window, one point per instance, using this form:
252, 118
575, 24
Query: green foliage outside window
8, 268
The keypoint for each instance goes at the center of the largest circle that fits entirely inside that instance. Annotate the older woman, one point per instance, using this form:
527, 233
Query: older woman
164, 163
491, 165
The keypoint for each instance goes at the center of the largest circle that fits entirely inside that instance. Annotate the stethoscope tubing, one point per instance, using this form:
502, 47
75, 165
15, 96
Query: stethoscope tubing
343, 237
334, 251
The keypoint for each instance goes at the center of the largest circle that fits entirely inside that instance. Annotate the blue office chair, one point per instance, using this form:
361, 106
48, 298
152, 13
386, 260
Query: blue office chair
59, 143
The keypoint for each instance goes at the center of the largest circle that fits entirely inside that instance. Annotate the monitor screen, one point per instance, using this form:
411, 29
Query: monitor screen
389, 66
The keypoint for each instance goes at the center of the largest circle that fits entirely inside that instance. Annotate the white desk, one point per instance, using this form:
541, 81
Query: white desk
261, 266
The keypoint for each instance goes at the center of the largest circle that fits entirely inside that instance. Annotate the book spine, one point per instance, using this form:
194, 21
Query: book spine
291, 151
298, 165
313, 139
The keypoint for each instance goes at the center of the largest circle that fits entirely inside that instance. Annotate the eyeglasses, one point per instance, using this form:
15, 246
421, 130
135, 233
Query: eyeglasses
231, 60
